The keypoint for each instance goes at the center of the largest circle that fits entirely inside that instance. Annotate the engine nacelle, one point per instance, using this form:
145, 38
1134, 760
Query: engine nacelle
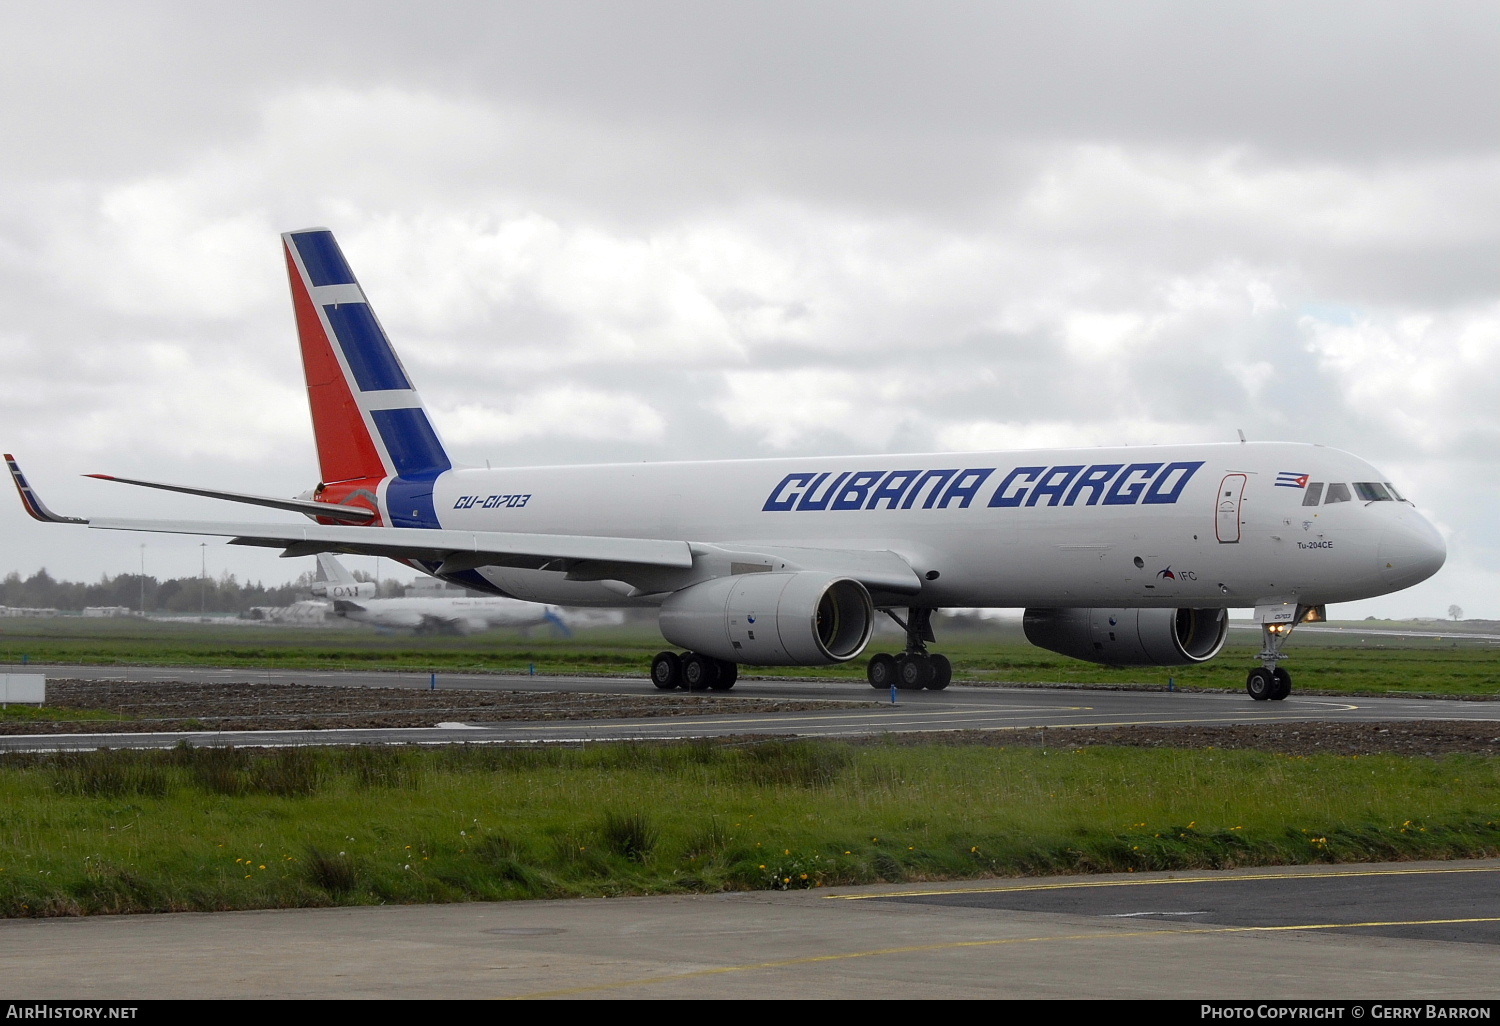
772, 619
1130, 637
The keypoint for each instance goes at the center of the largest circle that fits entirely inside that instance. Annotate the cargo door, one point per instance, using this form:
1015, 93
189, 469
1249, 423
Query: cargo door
1231, 499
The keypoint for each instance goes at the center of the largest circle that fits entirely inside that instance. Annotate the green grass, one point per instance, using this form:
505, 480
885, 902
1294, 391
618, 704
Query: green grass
137, 643
1321, 662
1314, 666
22, 713
998, 653
225, 829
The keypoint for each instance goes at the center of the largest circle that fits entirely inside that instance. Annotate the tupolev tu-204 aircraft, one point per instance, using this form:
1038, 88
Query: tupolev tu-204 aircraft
1126, 556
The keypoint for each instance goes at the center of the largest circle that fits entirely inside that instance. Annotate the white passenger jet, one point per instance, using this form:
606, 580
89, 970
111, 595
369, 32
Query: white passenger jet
425, 614
1122, 556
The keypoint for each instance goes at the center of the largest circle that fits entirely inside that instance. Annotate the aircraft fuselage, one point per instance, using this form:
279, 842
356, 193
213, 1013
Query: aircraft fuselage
1206, 526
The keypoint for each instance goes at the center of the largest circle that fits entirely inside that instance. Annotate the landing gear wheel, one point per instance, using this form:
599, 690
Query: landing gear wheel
666, 671
1260, 684
882, 671
1281, 684
728, 674
913, 672
942, 673
699, 672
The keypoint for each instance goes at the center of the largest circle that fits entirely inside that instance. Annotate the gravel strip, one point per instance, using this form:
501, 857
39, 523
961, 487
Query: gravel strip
182, 705
1393, 738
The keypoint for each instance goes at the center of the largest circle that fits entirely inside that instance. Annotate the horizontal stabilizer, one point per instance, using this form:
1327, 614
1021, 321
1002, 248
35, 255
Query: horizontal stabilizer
351, 514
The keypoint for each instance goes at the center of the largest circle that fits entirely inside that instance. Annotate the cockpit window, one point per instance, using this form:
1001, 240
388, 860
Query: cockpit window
1371, 491
1314, 493
1394, 494
1337, 493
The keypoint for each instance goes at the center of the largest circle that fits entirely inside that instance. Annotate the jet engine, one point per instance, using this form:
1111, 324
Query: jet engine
1130, 637
772, 619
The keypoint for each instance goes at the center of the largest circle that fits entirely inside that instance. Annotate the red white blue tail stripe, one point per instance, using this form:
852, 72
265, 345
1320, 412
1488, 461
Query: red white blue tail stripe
373, 435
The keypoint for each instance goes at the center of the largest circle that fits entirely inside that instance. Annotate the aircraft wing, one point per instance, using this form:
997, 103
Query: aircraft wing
588, 557
456, 550
650, 564
881, 569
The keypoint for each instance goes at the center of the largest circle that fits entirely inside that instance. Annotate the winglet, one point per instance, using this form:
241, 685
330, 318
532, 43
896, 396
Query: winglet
554, 617
34, 505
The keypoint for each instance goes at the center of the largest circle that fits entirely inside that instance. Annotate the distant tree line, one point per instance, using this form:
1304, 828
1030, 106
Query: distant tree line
185, 595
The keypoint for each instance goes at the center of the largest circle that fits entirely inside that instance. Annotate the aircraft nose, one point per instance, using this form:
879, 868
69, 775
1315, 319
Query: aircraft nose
1411, 550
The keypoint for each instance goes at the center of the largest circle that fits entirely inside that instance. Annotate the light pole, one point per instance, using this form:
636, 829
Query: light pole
203, 583
143, 579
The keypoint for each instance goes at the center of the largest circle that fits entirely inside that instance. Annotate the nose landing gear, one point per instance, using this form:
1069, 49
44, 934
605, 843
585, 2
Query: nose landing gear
1269, 682
1268, 685
915, 668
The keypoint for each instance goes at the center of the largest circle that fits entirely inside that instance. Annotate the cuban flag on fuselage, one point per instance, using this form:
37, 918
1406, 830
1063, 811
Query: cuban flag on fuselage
1291, 479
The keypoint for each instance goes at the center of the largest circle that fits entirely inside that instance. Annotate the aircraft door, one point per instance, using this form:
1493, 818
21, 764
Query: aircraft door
1231, 497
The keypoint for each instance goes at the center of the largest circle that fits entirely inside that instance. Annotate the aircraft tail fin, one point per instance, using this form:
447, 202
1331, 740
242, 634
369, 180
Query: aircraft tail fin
334, 581
331, 571
368, 420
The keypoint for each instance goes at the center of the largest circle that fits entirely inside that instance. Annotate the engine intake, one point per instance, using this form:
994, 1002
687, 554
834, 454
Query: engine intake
772, 619
1130, 637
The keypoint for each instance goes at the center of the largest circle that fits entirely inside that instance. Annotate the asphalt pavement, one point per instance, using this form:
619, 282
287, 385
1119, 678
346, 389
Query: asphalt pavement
1415, 931
959, 707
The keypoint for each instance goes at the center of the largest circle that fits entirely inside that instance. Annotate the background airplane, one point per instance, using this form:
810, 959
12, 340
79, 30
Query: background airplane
426, 614
1123, 556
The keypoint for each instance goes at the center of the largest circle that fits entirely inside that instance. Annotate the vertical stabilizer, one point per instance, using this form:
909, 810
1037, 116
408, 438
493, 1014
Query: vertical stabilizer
330, 570
368, 420
334, 581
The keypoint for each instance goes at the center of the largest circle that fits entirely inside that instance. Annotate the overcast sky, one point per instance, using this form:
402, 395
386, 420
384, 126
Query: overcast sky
646, 231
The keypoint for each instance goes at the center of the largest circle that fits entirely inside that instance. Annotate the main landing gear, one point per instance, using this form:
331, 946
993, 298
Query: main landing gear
915, 668
1269, 682
693, 672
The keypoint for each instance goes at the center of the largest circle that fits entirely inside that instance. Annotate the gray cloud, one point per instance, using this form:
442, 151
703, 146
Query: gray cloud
695, 230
